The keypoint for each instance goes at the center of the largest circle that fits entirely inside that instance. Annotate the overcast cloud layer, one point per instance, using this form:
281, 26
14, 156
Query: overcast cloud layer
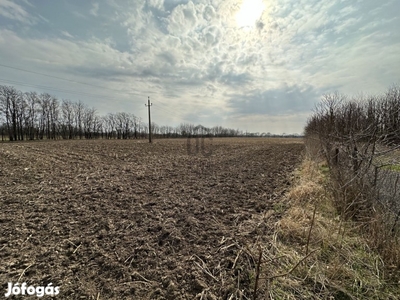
256, 65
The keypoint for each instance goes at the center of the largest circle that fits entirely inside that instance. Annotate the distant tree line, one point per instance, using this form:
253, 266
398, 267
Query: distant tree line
42, 116
33, 116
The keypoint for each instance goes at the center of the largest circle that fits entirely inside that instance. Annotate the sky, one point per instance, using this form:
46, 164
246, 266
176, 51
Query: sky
255, 65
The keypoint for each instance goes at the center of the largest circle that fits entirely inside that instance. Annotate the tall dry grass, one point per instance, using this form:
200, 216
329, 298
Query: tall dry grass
316, 254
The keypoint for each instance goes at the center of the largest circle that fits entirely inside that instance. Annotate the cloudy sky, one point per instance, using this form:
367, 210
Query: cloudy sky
257, 65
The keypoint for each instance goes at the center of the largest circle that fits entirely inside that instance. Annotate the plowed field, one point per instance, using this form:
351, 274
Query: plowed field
118, 219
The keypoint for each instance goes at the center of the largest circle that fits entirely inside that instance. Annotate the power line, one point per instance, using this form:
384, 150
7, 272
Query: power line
55, 89
165, 110
48, 88
174, 111
169, 110
56, 77
161, 106
68, 91
168, 113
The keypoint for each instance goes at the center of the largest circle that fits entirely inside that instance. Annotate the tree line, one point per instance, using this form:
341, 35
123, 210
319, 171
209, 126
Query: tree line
359, 138
34, 116
375, 118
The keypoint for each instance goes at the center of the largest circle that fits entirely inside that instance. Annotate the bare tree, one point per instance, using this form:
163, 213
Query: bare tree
110, 121
89, 115
358, 138
67, 110
79, 109
32, 101
53, 117
9, 106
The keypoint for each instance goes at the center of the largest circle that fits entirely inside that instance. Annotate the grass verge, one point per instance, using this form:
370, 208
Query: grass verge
316, 255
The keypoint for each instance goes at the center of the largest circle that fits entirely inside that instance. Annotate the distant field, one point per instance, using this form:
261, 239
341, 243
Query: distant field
124, 219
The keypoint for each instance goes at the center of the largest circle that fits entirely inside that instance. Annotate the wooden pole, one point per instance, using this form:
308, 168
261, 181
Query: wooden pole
148, 105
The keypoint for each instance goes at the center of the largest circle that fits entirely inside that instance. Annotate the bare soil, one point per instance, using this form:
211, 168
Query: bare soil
108, 219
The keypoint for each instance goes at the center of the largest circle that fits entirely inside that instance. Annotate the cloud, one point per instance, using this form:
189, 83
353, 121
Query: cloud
79, 14
283, 100
78, 58
195, 50
13, 11
67, 34
95, 9
183, 19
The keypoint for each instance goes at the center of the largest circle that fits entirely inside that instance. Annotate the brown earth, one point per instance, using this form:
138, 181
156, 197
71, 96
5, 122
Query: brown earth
131, 220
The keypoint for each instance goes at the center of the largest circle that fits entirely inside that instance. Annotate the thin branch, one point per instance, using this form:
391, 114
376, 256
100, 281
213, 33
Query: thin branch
294, 267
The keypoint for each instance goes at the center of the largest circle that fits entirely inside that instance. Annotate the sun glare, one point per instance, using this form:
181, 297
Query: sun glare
249, 13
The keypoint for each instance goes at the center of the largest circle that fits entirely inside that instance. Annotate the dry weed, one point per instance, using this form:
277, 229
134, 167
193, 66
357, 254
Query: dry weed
341, 265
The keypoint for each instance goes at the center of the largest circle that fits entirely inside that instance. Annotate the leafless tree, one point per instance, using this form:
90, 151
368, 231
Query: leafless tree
67, 110
32, 101
358, 138
29, 115
79, 109
9, 106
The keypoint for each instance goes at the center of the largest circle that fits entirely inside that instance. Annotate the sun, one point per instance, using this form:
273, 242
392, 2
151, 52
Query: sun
249, 13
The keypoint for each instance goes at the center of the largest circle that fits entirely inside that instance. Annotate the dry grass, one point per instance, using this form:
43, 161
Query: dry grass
315, 255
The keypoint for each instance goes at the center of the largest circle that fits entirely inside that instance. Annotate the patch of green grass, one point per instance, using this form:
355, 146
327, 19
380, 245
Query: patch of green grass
279, 207
324, 169
392, 168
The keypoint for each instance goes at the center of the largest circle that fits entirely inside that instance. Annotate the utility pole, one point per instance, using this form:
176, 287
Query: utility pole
148, 105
